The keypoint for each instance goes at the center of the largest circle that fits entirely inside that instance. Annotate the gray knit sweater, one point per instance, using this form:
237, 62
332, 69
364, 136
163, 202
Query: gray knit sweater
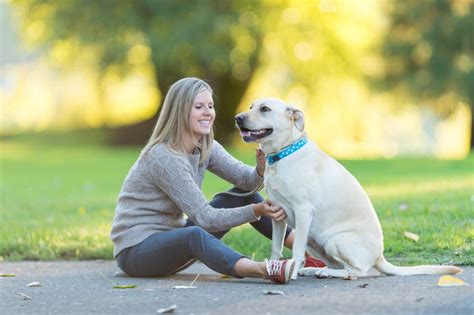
163, 185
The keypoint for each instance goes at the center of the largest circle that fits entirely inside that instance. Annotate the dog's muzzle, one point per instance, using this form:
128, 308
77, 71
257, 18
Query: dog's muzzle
250, 135
239, 120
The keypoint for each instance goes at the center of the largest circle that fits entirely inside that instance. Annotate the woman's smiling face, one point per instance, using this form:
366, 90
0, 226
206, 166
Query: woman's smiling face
202, 114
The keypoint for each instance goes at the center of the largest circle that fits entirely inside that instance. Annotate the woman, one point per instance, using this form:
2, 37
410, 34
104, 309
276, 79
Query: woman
150, 234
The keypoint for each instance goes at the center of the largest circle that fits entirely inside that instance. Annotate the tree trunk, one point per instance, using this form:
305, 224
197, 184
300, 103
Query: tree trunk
472, 129
471, 106
228, 93
134, 134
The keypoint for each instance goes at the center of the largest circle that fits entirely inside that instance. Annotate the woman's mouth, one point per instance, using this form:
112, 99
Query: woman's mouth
205, 123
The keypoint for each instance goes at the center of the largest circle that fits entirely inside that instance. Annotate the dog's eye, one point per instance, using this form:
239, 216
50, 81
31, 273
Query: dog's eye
264, 109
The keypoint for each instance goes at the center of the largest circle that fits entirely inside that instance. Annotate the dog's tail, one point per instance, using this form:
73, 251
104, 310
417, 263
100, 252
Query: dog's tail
391, 270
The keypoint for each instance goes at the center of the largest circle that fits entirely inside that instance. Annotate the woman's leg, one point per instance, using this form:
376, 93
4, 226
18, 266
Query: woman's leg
167, 252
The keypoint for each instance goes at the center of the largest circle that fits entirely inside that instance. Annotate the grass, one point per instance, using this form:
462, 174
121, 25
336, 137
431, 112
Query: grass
57, 199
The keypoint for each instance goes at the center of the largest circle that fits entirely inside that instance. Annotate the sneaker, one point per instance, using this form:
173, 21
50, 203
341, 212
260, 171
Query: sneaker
279, 271
314, 262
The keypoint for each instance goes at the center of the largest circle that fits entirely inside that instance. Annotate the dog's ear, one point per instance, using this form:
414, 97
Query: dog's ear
297, 117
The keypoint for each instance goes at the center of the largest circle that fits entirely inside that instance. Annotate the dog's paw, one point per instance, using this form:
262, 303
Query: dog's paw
317, 272
322, 273
307, 272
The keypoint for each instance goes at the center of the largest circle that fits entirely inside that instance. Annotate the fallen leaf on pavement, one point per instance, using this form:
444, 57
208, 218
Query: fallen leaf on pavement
125, 286
24, 296
7, 275
187, 286
411, 236
169, 309
450, 281
183, 287
273, 292
34, 284
119, 286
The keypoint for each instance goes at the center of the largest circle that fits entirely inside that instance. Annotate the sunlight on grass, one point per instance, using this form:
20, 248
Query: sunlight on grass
57, 201
421, 187
86, 242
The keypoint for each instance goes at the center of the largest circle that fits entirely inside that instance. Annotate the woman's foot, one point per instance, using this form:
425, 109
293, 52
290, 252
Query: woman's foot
314, 262
279, 271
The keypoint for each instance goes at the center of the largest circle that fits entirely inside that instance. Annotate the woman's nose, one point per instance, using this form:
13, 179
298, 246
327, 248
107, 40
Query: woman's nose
207, 111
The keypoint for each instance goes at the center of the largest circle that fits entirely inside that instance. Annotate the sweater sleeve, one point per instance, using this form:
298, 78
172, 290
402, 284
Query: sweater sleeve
173, 174
232, 170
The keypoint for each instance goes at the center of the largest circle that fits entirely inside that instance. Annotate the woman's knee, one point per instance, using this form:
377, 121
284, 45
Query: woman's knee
197, 232
199, 239
226, 200
257, 198
126, 262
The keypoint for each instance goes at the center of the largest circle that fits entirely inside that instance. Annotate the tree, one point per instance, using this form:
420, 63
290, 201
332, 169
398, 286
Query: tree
218, 41
429, 50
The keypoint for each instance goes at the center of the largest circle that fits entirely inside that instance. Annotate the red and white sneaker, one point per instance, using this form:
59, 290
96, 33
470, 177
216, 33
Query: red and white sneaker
279, 271
314, 262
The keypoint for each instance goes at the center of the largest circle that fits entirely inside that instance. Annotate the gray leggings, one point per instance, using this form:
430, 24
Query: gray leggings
165, 253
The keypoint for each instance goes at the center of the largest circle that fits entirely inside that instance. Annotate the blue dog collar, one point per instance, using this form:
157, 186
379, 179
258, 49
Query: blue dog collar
271, 159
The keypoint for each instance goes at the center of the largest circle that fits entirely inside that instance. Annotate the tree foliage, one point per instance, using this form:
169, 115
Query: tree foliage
215, 40
429, 51
299, 47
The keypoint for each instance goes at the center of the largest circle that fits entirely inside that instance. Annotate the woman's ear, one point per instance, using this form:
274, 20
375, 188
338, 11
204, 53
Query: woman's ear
297, 117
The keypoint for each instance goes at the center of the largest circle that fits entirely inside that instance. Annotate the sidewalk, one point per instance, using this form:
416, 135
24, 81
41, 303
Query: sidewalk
81, 287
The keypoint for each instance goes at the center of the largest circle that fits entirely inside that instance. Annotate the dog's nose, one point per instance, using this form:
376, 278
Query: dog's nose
239, 118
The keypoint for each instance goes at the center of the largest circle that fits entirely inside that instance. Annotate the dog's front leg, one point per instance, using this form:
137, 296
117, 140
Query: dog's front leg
278, 237
303, 217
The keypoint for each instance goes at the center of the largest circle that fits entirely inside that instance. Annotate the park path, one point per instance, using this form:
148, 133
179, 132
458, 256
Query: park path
77, 287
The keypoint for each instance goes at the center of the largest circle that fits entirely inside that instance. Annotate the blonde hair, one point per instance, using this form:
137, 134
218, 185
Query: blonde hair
174, 117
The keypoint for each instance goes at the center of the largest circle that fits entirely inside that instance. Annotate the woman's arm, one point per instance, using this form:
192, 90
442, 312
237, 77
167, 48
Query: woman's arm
232, 170
173, 174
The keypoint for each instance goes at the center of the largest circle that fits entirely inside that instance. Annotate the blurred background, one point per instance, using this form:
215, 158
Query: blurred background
387, 88
375, 78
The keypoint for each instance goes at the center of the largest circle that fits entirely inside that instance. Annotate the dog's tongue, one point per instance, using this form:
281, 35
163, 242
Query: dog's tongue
245, 133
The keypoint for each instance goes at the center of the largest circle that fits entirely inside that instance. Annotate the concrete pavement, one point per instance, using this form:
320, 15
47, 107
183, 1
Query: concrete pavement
79, 287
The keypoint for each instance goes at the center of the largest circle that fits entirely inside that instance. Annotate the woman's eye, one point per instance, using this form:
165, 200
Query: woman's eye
264, 109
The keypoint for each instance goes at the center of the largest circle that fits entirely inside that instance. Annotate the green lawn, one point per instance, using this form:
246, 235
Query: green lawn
57, 199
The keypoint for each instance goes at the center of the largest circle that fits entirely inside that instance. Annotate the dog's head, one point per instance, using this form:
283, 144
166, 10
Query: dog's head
272, 120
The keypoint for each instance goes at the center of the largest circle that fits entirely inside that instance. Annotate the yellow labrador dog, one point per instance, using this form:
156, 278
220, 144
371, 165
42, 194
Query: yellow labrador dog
331, 213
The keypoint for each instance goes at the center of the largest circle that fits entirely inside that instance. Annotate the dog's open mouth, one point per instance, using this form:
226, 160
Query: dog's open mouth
253, 135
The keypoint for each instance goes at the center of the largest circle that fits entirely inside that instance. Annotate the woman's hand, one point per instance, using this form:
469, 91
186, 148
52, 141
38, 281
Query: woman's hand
267, 209
260, 157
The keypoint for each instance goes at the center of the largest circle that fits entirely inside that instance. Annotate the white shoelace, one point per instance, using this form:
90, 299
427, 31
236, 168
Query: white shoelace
274, 267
